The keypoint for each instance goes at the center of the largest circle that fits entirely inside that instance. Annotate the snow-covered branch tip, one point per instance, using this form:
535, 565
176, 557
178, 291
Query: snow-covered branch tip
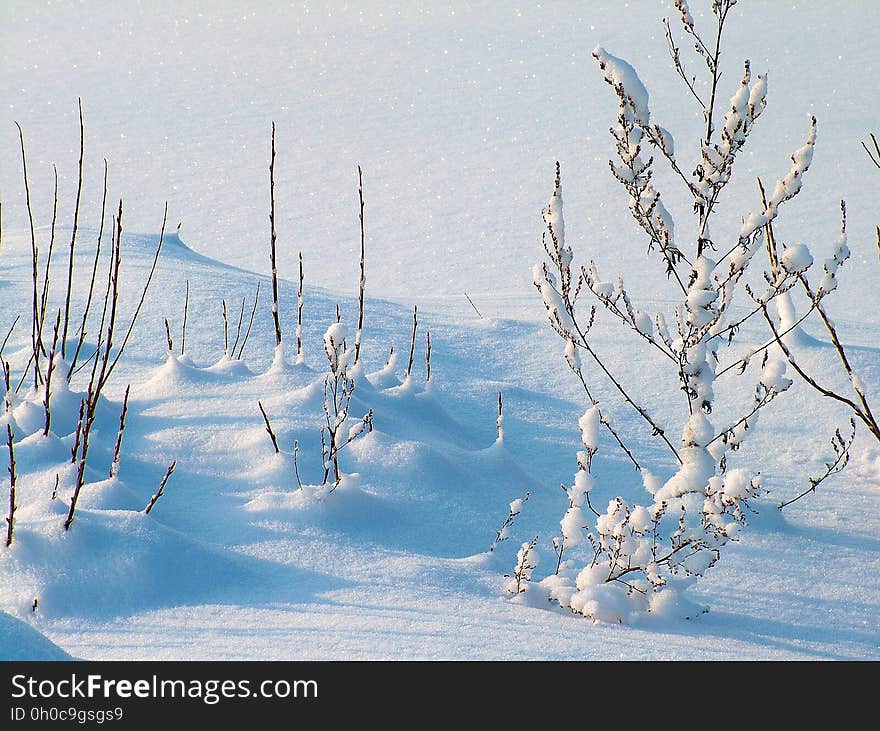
560, 292
503, 532
841, 446
161, 491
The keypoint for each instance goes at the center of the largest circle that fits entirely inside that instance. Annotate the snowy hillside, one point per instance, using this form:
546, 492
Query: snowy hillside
457, 117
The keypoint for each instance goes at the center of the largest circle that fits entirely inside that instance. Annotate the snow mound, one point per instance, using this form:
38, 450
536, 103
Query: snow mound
21, 642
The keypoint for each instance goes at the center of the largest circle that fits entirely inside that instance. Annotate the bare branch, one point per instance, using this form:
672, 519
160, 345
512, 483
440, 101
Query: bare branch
873, 155
412, 344
82, 139
247, 333
10, 518
275, 315
161, 491
362, 280
841, 446
117, 447
269, 428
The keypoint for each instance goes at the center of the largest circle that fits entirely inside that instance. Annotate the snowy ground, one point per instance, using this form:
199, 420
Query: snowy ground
457, 119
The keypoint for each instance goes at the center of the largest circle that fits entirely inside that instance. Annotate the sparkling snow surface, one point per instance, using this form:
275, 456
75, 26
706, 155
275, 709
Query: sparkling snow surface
457, 115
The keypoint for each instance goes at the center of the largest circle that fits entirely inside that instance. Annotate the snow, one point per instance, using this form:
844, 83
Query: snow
458, 151
620, 74
20, 641
589, 426
797, 258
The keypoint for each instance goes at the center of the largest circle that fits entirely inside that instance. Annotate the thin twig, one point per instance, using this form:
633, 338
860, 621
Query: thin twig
269, 428
225, 329
299, 311
679, 68
362, 280
247, 333
275, 315
144, 291
78, 432
50, 369
412, 344
875, 155
168, 341
117, 447
473, 305
35, 335
238, 327
841, 448
185, 314
428, 356
82, 328
161, 491
10, 519
7, 396
809, 379
82, 139
44, 297
296, 463
8, 335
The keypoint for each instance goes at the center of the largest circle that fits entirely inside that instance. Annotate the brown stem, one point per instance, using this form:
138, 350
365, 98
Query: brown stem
117, 447
716, 75
81, 468
299, 310
427, 356
473, 305
225, 329
362, 280
10, 520
238, 327
412, 345
44, 297
657, 430
875, 155
88, 307
185, 314
50, 369
111, 299
78, 432
8, 334
296, 463
82, 138
161, 491
814, 384
272, 239
269, 427
36, 342
679, 68
143, 296
247, 333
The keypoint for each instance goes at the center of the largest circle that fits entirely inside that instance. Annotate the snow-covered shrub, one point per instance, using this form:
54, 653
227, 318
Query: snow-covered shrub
641, 556
339, 385
526, 561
